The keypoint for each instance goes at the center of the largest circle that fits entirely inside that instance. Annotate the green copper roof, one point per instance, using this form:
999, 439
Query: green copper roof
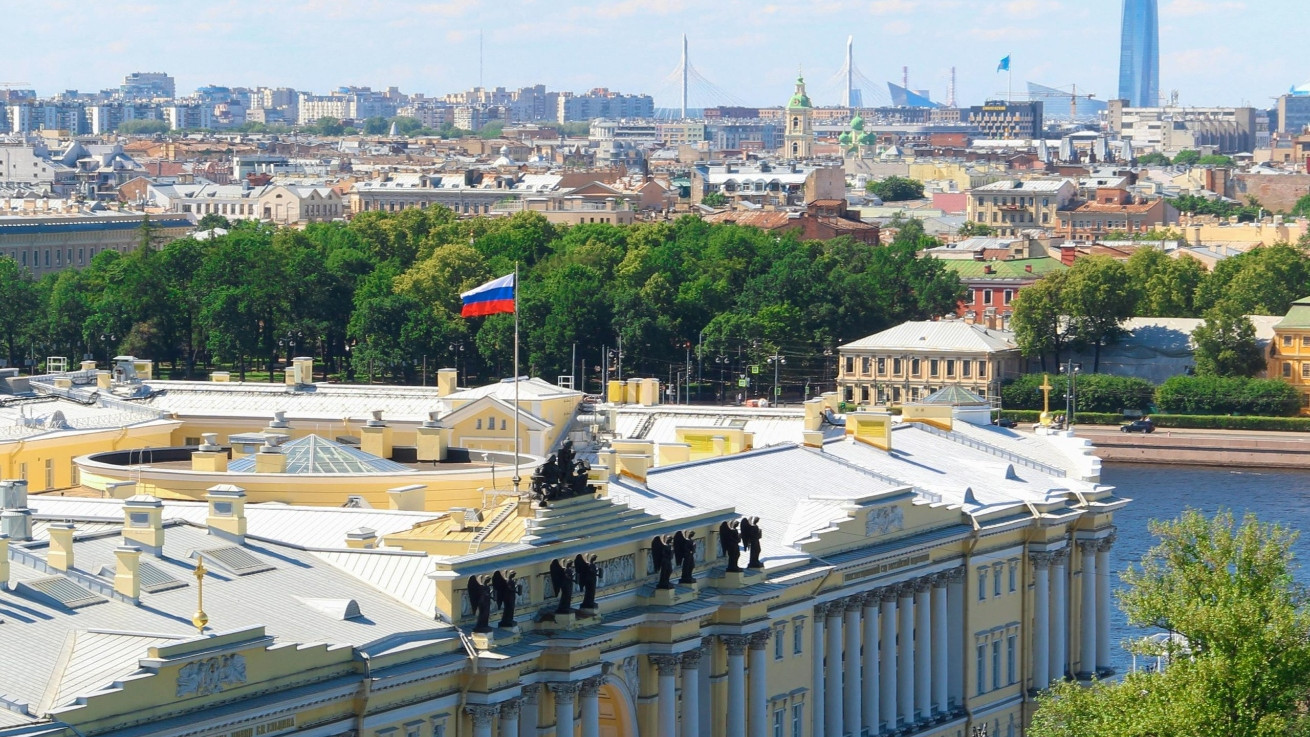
800, 99
1013, 269
1298, 317
857, 123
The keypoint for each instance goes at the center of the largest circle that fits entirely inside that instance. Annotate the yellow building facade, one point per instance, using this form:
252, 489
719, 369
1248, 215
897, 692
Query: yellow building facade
1289, 350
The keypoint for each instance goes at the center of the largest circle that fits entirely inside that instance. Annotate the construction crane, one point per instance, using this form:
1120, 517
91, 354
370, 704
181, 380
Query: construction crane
1072, 95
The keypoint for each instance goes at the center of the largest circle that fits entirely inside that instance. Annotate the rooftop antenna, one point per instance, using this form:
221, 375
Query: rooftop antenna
950, 91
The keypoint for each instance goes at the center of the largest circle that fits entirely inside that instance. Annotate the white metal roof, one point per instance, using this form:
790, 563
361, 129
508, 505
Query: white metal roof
954, 336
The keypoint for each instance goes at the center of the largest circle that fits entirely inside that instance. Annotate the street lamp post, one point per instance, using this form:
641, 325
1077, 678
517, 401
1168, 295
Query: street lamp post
1071, 370
777, 361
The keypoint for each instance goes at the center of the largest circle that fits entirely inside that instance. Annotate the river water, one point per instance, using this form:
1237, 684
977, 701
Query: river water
1163, 492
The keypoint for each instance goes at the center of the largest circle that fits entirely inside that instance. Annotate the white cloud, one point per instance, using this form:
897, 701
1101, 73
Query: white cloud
1184, 8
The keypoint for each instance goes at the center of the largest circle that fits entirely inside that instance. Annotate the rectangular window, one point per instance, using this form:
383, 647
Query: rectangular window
966, 369
950, 368
1305, 341
778, 641
850, 364
896, 367
1009, 296
882, 366
779, 722
996, 580
987, 296
1287, 341
866, 366
996, 664
1305, 369
982, 669
797, 720
1287, 369
914, 367
933, 368
1010, 669
1014, 576
864, 394
798, 637
982, 369
49, 473
982, 584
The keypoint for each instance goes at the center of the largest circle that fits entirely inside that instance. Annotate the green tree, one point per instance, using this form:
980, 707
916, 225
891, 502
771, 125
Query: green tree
213, 220
896, 189
714, 199
18, 295
1099, 294
1215, 160
1302, 206
1239, 658
1038, 318
1187, 157
1226, 344
1167, 286
970, 229
1155, 158
1262, 281
329, 126
142, 127
376, 126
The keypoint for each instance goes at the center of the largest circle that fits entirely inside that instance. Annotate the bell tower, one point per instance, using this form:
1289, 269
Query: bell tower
798, 141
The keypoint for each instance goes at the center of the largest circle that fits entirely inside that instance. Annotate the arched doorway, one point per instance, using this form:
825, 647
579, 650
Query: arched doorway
618, 713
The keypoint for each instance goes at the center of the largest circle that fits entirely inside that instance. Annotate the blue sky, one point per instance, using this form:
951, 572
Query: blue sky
1214, 52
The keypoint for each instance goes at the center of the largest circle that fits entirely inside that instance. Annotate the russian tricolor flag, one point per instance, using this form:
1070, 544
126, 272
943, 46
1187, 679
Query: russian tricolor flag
492, 298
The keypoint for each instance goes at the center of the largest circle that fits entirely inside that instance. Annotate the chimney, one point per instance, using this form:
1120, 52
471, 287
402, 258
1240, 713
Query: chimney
210, 456
279, 422
227, 512
304, 366
15, 517
127, 580
362, 538
143, 523
375, 436
220, 377
60, 555
430, 441
104, 380
447, 382
1028, 268
4, 561
269, 458
88, 365
871, 428
407, 498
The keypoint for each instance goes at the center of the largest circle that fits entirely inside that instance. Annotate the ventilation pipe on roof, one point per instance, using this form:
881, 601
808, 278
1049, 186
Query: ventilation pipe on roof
375, 436
210, 456
60, 554
227, 512
4, 561
270, 458
430, 440
143, 523
279, 421
16, 518
447, 382
127, 566
362, 538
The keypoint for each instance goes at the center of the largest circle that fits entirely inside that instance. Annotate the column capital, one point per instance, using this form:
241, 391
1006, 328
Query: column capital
835, 608
760, 640
591, 686
691, 659
666, 663
820, 610
870, 599
565, 691
1059, 557
1089, 546
482, 713
736, 644
853, 603
922, 584
530, 692
941, 579
1107, 541
888, 593
957, 574
1041, 560
510, 709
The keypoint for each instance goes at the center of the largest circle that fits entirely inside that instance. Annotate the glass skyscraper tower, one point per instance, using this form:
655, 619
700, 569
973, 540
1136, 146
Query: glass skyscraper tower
1139, 54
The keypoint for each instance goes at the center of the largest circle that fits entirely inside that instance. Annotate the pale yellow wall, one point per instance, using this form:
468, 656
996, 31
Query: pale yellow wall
27, 458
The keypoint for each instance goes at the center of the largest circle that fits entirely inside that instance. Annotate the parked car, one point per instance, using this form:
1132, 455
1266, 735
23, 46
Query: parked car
1143, 425
1004, 422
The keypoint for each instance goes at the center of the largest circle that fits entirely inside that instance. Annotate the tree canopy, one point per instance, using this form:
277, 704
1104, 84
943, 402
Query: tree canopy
896, 189
1226, 344
1239, 658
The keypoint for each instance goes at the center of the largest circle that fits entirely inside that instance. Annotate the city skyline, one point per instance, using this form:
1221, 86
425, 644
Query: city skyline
751, 57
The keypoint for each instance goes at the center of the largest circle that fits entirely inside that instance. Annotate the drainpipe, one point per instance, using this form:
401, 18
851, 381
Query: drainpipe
366, 690
968, 557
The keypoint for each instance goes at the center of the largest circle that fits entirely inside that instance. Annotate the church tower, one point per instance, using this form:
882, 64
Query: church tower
798, 141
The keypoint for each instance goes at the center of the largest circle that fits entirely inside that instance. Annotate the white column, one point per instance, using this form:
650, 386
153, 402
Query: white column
528, 712
939, 625
816, 676
923, 649
1103, 602
887, 659
757, 701
869, 699
482, 715
832, 688
691, 706
905, 654
509, 717
853, 712
955, 635
1059, 615
1087, 647
706, 692
590, 708
1041, 618
735, 718
565, 693
667, 691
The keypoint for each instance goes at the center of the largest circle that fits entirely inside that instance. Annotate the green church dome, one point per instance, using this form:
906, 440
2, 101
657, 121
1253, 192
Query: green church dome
857, 123
800, 99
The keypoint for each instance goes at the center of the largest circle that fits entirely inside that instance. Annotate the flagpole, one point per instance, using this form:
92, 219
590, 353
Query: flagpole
516, 378
1009, 79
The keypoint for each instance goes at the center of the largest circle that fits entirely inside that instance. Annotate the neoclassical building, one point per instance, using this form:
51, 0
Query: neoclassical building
922, 577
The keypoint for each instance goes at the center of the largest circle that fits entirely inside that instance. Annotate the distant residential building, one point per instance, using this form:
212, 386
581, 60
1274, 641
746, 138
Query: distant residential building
632, 131
282, 204
820, 220
602, 103
467, 193
914, 359
49, 243
736, 134
1289, 355
147, 85
1001, 119
1113, 210
991, 286
429, 113
188, 116
1173, 129
347, 103
1294, 111
763, 184
1010, 206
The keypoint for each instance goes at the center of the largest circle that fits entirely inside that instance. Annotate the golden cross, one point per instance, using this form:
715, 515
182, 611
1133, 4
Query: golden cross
1046, 392
200, 619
